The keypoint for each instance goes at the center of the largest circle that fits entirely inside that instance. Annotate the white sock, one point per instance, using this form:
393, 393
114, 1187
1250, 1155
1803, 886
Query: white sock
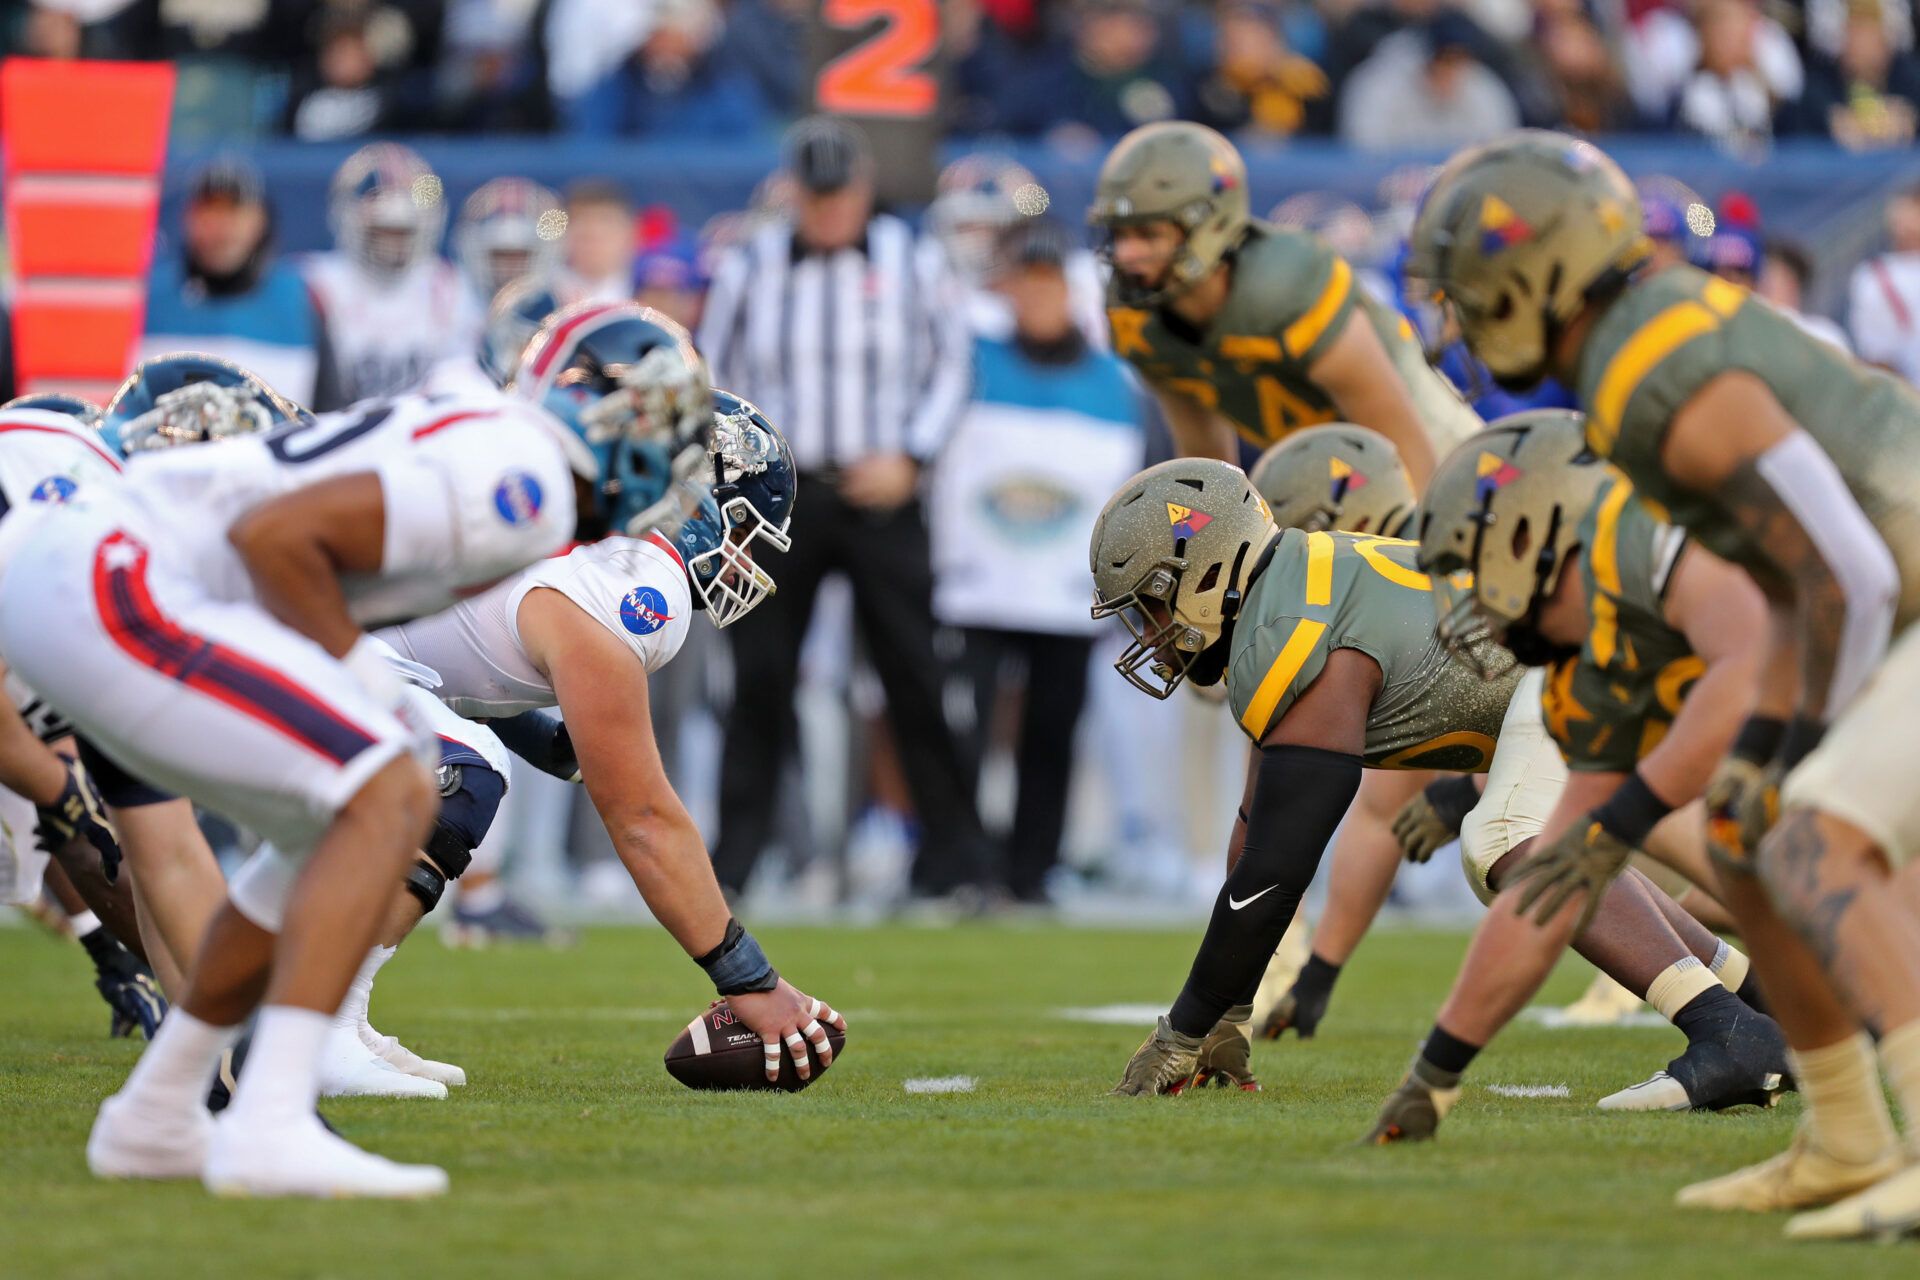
353, 1009
83, 923
177, 1068
279, 1080
483, 897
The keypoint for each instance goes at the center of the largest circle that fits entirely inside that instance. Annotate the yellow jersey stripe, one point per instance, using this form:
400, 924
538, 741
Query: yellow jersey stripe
1304, 332
1655, 341
1606, 571
1320, 568
1292, 656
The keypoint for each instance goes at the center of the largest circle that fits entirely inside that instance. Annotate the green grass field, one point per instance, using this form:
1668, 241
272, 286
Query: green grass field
573, 1153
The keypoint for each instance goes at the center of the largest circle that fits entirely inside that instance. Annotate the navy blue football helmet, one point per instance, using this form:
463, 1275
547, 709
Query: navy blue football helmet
83, 411
632, 392
191, 398
517, 313
754, 484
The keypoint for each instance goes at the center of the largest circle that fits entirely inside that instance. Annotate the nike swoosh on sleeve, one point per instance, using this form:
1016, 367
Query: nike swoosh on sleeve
1234, 904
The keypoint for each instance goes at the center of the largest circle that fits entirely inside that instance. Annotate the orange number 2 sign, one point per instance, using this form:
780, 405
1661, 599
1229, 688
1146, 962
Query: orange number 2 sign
885, 74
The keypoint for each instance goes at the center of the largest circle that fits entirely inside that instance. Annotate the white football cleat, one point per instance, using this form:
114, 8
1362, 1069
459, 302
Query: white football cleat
129, 1141
1605, 1003
348, 1069
299, 1158
1658, 1092
1887, 1210
396, 1055
1801, 1177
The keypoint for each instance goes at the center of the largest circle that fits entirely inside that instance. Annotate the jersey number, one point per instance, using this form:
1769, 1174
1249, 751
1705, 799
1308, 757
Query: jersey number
885, 74
297, 442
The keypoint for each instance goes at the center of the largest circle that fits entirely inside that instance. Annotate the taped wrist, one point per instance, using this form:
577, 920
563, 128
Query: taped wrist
1299, 796
738, 965
1632, 811
1759, 739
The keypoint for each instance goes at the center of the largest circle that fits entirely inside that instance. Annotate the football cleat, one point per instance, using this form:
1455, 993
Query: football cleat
300, 1158
1801, 1177
1887, 1210
349, 1069
1605, 1003
1226, 1058
396, 1055
132, 1142
507, 922
1164, 1064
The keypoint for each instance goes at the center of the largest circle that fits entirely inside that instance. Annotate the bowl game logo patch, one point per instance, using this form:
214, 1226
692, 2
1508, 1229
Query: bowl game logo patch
517, 498
55, 489
643, 611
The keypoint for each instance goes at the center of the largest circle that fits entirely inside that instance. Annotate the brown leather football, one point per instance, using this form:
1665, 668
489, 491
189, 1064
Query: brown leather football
716, 1051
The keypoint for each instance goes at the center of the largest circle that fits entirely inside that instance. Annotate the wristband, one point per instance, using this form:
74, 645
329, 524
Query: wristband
1632, 811
738, 966
1759, 739
1802, 736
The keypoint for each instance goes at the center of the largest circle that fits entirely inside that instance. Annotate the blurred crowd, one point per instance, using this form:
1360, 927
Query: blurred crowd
1374, 73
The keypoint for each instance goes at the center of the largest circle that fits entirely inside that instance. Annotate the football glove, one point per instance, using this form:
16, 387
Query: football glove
126, 985
1226, 1055
1582, 859
1298, 1011
1434, 815
1413, 1112
1743, 800
1165, 1063
79, 813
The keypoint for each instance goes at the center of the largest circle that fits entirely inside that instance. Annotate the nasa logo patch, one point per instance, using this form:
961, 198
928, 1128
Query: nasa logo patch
55, 489
517, 498
643, 611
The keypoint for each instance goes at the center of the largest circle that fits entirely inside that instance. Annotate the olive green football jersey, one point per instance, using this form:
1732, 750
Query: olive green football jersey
1611, 705
1673, 332
1327, 591
1290, 298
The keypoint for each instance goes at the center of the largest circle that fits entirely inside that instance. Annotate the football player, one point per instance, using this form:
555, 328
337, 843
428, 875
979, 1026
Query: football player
582, 633
507, 229
392, 306
1652, 646
201, 623
1801, 466
1327, 643
1243, 327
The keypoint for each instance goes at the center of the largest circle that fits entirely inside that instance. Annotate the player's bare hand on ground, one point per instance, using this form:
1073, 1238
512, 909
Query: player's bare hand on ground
789, 1020
1413, 1112
1165, 1063
1583, 859
1226, 1055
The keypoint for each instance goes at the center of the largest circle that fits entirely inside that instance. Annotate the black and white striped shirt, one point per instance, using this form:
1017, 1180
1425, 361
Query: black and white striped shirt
856, 353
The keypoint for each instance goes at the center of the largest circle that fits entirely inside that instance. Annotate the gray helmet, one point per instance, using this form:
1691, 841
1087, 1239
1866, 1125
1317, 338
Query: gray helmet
1184, 173
1170, 556
1499, 519
1336, 476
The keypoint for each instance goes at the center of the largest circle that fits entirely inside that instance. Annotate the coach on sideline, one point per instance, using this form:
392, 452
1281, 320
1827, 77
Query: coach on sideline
849, 332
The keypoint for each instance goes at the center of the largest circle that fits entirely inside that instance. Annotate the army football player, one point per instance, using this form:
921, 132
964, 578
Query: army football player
1801, 466
1244, 327
1653, 647
1327, 642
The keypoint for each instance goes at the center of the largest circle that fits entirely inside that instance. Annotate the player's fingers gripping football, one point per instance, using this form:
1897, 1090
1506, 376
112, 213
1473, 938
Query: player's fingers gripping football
816, 1033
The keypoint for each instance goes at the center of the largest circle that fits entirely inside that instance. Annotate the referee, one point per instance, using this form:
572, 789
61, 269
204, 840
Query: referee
848, 331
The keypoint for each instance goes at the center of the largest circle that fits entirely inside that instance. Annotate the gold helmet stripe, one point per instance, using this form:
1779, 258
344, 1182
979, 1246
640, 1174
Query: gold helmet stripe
1292, 656
1659, 338
1304, 332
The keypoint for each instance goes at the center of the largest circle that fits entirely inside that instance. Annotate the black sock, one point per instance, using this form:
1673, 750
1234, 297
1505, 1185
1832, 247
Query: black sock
1447, 1054
1709, 1013
1316, 977
1750, 992
100, 944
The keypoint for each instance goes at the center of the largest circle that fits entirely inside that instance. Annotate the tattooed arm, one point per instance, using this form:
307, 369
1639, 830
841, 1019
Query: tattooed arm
1735, 441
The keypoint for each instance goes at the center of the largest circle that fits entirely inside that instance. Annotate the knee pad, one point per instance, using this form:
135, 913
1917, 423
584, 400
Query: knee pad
260, 889
471, 797
425, 882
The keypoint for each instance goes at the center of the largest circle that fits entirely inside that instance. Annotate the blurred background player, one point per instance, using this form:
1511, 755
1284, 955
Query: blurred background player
1053, 427
392, 306
227, 293
600, 243
508, 229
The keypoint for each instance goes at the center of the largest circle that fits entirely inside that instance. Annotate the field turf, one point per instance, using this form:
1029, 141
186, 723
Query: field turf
573, 1154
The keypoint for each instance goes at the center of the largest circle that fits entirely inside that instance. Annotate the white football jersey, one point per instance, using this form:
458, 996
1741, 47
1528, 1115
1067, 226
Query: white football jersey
634, 587
46, 460
476, 488
386, 334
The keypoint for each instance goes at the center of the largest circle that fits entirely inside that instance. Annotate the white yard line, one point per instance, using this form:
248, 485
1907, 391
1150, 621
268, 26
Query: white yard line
941, 1084
1530, 1090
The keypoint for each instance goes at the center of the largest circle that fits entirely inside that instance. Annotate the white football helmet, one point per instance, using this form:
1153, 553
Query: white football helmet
509, 228
386, 208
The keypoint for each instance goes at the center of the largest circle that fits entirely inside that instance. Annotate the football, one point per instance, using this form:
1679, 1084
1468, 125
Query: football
718, 1052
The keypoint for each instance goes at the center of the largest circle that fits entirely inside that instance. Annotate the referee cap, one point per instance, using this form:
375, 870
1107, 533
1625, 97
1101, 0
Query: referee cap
825, 154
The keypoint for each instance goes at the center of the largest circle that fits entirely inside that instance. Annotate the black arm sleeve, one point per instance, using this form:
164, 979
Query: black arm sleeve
1299, 796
